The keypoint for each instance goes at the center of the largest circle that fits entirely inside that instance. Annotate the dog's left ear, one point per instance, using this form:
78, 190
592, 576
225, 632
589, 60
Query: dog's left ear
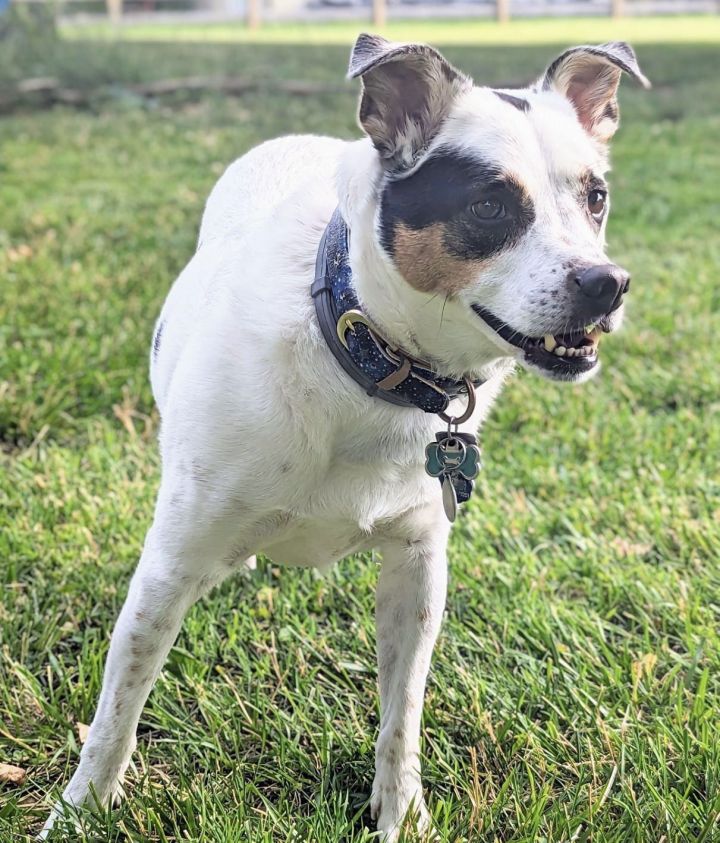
589, 78
408, 90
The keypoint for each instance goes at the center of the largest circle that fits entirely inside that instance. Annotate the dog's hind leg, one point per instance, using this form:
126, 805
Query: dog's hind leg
410, 601
182, 559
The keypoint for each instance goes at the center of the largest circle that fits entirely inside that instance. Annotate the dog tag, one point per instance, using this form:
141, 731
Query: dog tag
456, 454
449, 499
454, 458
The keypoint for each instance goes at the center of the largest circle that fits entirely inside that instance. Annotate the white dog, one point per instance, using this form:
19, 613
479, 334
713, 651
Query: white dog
462, 235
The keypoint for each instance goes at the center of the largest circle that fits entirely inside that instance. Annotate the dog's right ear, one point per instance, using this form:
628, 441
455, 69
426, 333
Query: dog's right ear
408, 90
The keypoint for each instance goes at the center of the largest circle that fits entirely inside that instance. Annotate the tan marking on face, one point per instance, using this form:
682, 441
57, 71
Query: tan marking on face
423, 259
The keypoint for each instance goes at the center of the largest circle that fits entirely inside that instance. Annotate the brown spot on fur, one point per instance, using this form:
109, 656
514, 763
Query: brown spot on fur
426, 264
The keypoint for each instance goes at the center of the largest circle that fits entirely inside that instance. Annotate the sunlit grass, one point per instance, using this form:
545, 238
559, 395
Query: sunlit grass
680, 29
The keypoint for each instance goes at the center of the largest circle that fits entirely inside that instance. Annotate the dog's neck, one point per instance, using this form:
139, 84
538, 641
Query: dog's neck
436, 328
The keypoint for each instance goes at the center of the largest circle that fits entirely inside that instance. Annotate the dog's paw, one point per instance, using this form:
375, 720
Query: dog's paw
94, 786
67, 809
61, 813
397, 803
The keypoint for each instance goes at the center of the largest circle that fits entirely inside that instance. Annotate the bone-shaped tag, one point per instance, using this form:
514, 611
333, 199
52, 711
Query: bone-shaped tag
453, 454
454, 458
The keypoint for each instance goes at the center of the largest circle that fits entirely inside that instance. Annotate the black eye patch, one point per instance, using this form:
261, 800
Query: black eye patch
443, 190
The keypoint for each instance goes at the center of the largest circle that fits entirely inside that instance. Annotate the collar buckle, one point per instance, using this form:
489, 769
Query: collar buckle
379, 367
347, 321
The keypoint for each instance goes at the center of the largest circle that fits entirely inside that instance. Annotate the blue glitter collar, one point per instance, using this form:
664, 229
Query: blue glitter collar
381, 369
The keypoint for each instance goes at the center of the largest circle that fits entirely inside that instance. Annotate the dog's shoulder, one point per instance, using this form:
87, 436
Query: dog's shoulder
254, 187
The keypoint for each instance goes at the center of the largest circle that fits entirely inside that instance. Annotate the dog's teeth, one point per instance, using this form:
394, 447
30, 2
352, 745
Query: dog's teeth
560, 350
549, 341
570, 352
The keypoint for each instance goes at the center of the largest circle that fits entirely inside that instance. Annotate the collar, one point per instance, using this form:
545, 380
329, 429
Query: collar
382, 369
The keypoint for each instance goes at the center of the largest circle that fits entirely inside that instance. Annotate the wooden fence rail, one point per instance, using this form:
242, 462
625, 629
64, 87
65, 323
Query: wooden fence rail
256, 12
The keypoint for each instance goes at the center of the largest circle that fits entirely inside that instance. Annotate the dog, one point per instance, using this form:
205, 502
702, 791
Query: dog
323, 362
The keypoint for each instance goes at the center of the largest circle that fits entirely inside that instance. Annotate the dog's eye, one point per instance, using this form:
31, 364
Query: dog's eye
596, 203
489, 208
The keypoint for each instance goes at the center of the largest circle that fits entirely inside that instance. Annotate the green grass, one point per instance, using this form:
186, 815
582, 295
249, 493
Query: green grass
642, 30
575, 689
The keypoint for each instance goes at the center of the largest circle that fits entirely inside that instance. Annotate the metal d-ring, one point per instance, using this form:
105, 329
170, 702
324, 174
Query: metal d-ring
469, 410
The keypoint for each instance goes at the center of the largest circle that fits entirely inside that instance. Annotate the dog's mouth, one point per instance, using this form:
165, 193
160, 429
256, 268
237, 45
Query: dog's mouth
565, 356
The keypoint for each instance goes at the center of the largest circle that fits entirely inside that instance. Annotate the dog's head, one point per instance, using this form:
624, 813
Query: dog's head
495, 201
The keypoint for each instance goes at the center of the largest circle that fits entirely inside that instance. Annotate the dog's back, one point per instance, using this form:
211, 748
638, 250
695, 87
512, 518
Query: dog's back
269, 208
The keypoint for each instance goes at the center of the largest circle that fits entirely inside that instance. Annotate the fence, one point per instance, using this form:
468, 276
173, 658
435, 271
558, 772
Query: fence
255, 12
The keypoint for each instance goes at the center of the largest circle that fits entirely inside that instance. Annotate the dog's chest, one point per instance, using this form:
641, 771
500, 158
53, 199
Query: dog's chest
365, 491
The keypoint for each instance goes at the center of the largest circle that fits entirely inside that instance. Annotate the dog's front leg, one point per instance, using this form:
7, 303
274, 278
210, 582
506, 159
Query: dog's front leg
410, 602
178, 565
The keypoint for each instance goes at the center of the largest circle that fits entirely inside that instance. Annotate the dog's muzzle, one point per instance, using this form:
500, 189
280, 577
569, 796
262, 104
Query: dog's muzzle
570, 355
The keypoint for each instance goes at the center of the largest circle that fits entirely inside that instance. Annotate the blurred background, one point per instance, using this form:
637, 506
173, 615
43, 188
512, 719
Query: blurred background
575, 688
255, 12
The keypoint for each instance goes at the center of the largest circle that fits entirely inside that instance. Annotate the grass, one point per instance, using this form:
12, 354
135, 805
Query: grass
575, 689
676, 29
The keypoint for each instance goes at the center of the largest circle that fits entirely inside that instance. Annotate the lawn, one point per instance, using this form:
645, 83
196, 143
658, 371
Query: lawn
575, 690
641, 30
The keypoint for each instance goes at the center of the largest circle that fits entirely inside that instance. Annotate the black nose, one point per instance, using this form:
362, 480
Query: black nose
602, 288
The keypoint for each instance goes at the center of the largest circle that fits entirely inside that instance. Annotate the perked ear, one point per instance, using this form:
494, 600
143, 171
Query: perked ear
589, 78
408, 90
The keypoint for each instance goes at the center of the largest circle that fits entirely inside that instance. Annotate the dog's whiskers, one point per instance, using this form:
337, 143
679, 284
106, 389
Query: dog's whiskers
442, 312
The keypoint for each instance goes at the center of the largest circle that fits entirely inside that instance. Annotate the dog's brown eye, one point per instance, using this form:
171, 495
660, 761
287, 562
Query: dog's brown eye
596, 203
490, 208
